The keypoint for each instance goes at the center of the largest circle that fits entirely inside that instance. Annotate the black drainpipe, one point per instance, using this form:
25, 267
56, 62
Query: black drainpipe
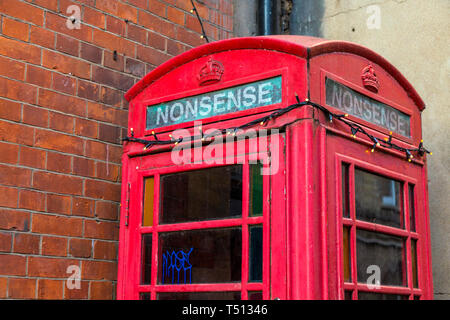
268, 17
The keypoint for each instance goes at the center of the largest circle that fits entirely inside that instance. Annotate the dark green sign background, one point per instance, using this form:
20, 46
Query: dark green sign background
244, 97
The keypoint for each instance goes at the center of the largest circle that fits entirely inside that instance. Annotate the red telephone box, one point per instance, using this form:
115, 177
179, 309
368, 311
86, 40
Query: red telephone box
273, 167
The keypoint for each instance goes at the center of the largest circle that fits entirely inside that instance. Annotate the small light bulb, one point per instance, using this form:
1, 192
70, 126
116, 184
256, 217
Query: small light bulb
346, 115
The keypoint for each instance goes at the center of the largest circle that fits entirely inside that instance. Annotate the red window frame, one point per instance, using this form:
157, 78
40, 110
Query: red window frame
351, 222
274, 248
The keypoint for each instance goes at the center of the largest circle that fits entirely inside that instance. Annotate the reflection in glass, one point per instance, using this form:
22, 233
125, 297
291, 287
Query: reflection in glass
145, 296
199, 295
256, 190
345, 190
255, 295
346, 250
380, 296
146, 258
256, 253
412, 213
149, 187
213, 193
200, 256
414, 262
378, 199
381, 250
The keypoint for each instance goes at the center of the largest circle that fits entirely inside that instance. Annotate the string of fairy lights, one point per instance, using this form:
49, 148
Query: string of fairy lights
194, 10
355, 129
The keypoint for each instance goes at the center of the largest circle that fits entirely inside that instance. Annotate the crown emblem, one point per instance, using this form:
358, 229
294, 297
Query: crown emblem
369, 78
211, 72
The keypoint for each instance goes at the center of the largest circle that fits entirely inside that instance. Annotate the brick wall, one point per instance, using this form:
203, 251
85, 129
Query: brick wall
62, 117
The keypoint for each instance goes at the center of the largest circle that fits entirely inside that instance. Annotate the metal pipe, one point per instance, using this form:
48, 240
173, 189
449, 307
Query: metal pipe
266, 14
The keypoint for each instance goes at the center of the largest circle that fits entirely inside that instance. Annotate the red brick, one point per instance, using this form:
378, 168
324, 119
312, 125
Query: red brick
77, 294
98, 270
139, 3
107, 210
26, 243
67, 45
157, 7
175, 15
22, 288
115, 25
15, 29
117, 64
91, 53
63, 103
23, 11
113, 42
12, 69
51, 5
66, 64
32, 200
64, 83
119, 9
156, 41
49, 267
108, 133
86, 128
12, 265
114, 154
13, 219
151, 55
17, 90
10, 110
58, 24
5, 242
58, 183
102, 290
108, 171
189, 37
15, 176
54, 246
192, 23
94, 17
3, 287
58, 142
9, 153
59, 162
105, 250
80, 248
16, 133
101, 230
96, 150
104, 113
50, 289
135, 67
61, 122
158, 25
42, 37
88, 90
111, 78
137, 33
59, 204
102, 190
35, 116
39, 76
31, 157
19, 50
43, 223
83, 207
111, 97
174, 47
83, 167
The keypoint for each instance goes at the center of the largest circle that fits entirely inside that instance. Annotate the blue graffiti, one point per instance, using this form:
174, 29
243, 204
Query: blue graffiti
175, 262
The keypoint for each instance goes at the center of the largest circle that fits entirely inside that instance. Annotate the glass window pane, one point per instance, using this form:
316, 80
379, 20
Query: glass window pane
145, 296
199, 295
380, 296
213, 193
378, 199
345, 190
146, 258
346, 250
200, 256
414, 262
348, 295
149, 187
255, 295
256, 190
412, 213
256, 254
383, 251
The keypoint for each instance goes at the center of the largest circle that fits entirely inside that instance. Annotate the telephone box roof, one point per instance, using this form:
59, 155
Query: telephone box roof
302, 46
